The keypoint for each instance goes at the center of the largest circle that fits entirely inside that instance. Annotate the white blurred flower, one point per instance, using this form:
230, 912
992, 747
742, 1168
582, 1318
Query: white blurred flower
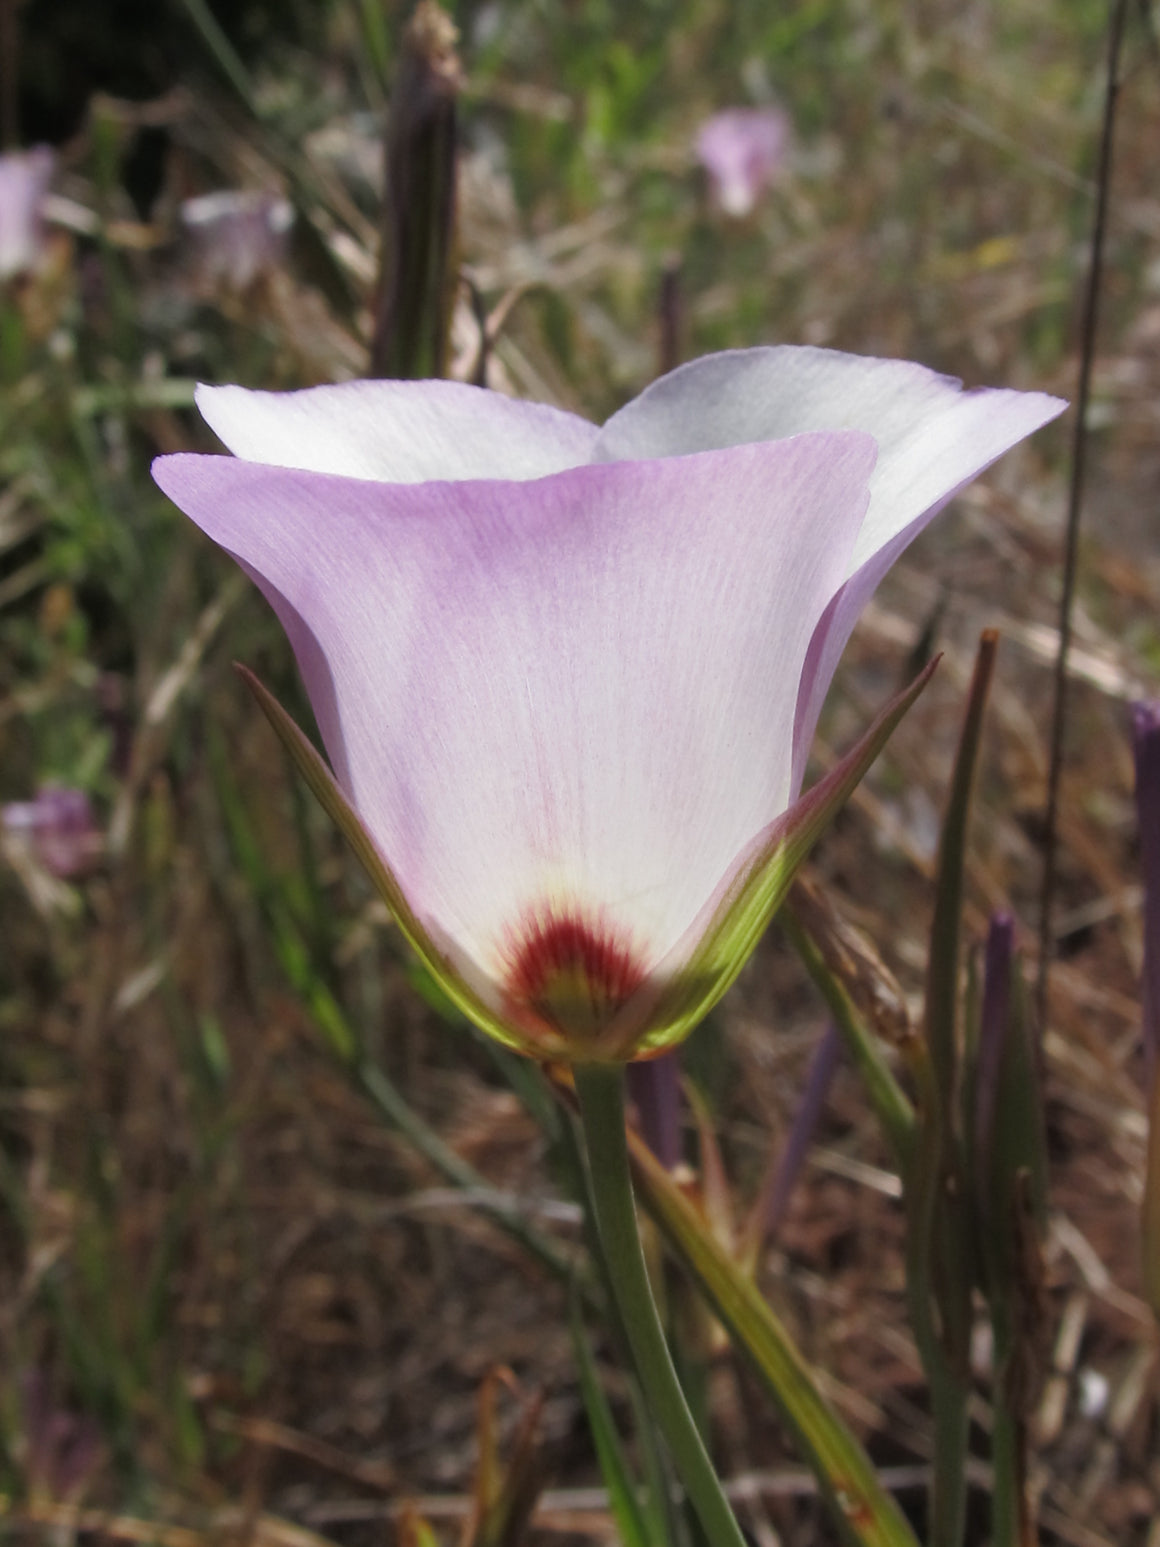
235, 235
24, 180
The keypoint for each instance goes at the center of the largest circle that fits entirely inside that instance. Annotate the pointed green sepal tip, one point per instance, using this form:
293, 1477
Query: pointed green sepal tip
334, 802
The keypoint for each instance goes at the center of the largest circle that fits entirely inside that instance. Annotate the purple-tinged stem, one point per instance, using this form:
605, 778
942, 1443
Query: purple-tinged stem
417, 280
654, 1086
783, 1178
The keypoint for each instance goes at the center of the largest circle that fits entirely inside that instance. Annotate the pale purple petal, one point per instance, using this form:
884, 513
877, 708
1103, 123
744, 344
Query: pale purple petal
398, 431
933, 439
573, 694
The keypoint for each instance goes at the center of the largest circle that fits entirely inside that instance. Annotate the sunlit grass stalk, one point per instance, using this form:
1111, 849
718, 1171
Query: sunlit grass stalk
389, 1103
228, 59
866, 1513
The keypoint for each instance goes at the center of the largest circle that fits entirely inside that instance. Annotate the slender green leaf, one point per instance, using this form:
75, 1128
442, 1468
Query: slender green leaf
942, 979
867, 1514
939, 1245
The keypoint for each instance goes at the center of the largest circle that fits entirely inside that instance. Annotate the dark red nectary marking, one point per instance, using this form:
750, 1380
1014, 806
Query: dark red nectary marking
572, 974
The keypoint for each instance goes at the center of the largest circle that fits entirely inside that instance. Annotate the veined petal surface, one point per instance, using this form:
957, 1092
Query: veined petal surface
398, 432
568, 700
933, 439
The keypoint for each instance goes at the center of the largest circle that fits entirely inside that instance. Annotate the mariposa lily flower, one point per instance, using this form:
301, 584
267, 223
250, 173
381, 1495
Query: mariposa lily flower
567, 677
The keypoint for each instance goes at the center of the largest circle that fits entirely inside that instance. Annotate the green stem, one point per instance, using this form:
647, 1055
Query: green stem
948, 1497
1012, 1519
1010, 1523
601, 1092
939, 1321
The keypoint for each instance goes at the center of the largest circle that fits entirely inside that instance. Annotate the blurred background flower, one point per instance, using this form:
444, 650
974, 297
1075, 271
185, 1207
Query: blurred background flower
24, 179
234, 236
58, 826
743, 150
62, 1450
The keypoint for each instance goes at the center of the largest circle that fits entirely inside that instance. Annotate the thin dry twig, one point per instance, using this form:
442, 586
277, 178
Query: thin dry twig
1075, 500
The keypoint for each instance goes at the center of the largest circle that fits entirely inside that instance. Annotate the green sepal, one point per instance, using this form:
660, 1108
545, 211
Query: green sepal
759, 890
336, 805
662, 1014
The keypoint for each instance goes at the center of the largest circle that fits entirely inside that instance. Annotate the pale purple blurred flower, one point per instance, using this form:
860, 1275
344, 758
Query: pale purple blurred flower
24, 179
59, 827
1146, 743
235, 236
743, 149
568, 677
62, 1449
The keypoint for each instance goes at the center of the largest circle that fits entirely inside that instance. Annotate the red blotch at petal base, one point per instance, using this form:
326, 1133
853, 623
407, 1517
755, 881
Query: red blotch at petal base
570, 975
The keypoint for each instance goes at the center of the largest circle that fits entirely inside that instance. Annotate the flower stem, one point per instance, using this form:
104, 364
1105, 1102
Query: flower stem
601, 1091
